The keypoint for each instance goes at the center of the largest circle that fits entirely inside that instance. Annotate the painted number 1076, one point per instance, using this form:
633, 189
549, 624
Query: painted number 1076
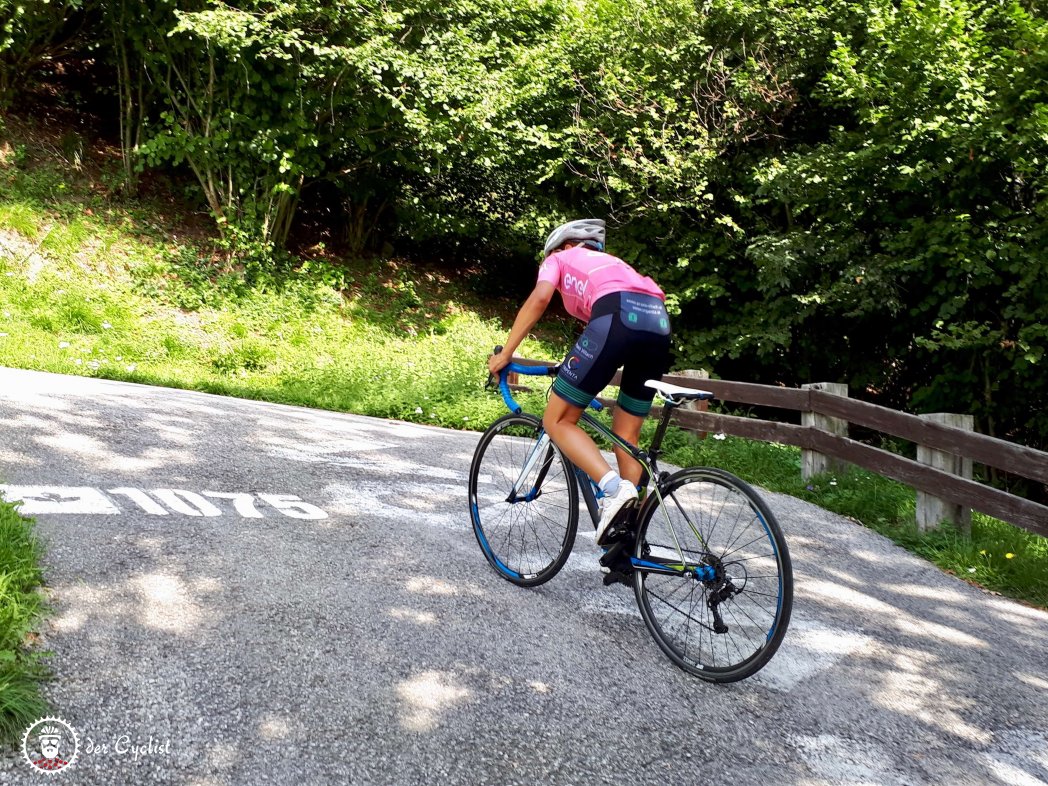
189, 503
79, 500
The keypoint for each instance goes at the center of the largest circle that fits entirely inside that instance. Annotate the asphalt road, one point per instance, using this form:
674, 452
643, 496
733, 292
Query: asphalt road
248, 593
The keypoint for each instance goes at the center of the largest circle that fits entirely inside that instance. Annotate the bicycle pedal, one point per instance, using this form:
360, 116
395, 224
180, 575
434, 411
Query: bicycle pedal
616, 577
612, 554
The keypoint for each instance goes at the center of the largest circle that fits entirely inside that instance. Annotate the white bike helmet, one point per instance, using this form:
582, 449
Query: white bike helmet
589, 231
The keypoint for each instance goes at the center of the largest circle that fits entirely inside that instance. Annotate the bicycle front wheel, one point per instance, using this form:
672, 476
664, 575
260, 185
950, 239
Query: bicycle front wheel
721, 611
523, 500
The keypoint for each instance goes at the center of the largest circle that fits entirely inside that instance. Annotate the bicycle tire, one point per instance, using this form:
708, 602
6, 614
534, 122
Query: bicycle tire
526, 540
737, 537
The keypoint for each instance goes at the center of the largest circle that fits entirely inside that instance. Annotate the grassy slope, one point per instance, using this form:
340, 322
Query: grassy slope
125, 290
130, 289
21, 603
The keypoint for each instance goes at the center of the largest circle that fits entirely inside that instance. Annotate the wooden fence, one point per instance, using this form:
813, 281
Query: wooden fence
990, 451
979, 448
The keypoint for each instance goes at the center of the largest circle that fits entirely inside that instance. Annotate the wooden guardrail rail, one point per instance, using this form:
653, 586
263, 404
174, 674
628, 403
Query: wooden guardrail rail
1017, 459
990, 451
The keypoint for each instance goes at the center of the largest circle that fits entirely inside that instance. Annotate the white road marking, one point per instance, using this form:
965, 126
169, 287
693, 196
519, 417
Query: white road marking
38, 500
143, 500
80, 500
187, 503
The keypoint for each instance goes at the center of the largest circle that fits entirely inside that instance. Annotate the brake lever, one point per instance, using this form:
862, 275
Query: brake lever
491, 377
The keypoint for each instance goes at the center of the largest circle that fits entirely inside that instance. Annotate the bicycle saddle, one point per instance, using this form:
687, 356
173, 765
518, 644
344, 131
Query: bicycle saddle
675, 394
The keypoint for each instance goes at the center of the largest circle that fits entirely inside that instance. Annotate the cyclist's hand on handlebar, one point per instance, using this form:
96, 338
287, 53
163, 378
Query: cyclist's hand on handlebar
497, 362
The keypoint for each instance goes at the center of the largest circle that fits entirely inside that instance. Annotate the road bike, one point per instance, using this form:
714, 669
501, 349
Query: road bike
706, 558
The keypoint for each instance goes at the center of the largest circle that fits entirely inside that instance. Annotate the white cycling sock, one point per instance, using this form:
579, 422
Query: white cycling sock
610, 483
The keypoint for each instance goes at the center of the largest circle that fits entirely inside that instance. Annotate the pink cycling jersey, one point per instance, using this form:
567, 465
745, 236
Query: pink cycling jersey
583, 276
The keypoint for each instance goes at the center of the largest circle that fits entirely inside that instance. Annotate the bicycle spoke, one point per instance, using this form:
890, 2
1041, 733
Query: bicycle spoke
528, 539
744, 587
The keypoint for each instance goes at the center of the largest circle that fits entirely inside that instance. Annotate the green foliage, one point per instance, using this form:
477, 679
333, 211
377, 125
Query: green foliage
21, 217
233, 105
21, 605
377, 338
826, 190
916, 226
774, 466
31, 34
999, 557
385, 101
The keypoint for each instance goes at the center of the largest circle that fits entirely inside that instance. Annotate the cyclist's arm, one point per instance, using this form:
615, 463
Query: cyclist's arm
530, 313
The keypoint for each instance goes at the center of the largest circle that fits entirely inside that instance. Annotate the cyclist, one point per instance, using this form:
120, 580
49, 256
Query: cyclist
626, 325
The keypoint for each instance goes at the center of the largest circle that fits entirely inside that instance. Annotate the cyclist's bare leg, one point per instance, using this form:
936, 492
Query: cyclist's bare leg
561, 421
627, 426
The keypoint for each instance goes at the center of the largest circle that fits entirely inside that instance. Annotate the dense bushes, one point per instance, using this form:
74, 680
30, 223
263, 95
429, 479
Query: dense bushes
829, 190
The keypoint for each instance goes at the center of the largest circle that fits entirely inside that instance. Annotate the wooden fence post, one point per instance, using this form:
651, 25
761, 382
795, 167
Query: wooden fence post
932, 511
813, 463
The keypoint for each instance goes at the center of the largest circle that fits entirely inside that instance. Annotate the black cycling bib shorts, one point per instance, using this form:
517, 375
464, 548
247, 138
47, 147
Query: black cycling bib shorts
626, 329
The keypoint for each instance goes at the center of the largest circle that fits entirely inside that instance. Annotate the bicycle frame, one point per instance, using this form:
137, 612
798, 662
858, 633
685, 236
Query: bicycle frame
647, 459
710, 569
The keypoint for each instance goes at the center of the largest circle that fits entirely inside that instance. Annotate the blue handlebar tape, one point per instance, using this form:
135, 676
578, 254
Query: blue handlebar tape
533, 371
507, 397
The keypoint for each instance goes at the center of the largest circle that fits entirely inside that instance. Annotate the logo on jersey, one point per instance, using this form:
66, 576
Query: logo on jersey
570, 368
587, 347
575, 284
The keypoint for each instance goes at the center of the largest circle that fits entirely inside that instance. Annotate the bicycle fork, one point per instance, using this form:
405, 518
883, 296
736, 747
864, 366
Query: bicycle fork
542, 444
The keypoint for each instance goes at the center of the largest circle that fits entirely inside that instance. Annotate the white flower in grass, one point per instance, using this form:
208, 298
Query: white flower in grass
63, 344
77, 362
131, 367
720, 436
106, 326
93, 364
418, 410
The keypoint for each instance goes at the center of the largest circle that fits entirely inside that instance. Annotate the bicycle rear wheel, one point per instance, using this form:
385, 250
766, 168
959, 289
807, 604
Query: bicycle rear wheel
722, 614
523, 500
